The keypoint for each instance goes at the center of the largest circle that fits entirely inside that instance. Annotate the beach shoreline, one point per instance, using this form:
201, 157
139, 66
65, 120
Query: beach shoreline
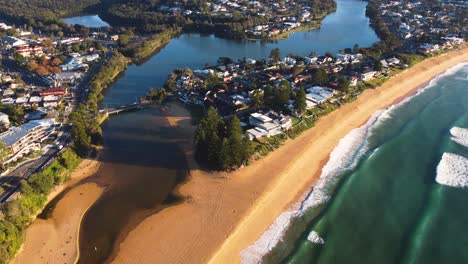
223, 213
226, 212
44, 238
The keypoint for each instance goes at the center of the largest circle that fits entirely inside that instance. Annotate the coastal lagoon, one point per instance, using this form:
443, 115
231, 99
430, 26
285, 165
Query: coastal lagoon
143, 158
342, 29
92, 21
402, 194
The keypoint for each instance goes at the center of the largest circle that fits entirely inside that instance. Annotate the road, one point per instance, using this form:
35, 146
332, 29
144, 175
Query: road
11, 183
29, 78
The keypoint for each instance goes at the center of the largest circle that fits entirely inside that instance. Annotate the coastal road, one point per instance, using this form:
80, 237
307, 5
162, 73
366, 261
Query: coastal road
11, 183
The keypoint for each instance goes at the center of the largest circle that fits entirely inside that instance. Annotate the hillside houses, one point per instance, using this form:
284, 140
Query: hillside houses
426, 26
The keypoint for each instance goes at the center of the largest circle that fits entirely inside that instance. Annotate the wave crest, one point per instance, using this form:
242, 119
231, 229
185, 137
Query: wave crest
453, 171
460, 135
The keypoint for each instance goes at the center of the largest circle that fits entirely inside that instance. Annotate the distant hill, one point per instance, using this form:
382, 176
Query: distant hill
44, 10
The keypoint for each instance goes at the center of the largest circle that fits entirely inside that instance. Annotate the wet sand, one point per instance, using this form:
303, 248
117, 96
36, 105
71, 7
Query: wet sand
55, 240
226, 212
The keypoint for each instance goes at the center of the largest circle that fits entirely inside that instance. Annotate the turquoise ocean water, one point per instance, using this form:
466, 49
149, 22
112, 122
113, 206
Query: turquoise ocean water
390, 208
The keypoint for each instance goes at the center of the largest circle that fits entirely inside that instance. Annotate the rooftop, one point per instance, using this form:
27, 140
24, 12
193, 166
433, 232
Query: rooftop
14, 134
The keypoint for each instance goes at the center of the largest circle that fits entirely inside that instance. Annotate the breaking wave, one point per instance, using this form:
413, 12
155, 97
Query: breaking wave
344, 158
453, 171
460, 135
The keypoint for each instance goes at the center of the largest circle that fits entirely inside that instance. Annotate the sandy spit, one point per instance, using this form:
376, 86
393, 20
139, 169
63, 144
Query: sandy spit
55, 240
226, 212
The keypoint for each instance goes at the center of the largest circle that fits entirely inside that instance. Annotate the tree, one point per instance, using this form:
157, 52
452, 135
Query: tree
356, 48
300, 103
343, 84
32, 65
56, 62
275, 54
378, 66
296, 70
123, 40
4, 152
320, 76
207, 138
233, 149
257, 99
15, 113
282, 93
225, 60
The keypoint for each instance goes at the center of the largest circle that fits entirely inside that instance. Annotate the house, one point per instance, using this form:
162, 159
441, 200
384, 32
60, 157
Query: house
53, 91
66, 78
13, 42
273, 32
269, 124
323, 59
367, 75
21, 100
384, 63
50, 101
238, 99
353, 81
428, 48
35, 99
289, 61
8, 101
250, 61
30, 50
4, 26
393, 61
310, 60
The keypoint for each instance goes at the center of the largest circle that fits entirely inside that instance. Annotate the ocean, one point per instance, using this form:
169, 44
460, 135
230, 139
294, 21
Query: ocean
398, 186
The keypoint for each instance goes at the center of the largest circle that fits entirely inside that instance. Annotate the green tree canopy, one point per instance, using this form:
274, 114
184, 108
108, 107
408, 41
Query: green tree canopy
300, 103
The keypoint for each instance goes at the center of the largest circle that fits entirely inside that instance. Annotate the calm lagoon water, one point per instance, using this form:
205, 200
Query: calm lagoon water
390, 209
142, 155
339, 30
93, 21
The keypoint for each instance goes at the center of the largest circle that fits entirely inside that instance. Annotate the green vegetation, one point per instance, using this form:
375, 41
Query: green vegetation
278, 97
156, 95
388, 41
221, 146
145, 16
4, 152
15, 113
86, 130
16, 216
139, 51
275, 54
300, 103
43, 10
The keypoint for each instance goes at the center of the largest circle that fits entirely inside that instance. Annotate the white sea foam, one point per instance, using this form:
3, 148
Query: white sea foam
344, 157
453, 171
460, 135
315, 238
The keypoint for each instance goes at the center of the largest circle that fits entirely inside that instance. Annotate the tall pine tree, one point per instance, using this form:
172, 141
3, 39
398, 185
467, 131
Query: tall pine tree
300, 103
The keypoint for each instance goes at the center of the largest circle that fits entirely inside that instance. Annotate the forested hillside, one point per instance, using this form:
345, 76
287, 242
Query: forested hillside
33, 11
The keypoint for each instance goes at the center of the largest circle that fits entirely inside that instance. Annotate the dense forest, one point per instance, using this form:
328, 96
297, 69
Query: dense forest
42, 11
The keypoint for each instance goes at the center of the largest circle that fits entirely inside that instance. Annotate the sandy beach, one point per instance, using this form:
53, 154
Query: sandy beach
54, 240
223, 212
226, 212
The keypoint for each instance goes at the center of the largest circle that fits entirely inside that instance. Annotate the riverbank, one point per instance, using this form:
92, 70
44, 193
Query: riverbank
55, 239
226, 212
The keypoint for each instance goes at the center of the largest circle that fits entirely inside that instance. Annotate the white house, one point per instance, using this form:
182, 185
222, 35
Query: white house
4, 121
